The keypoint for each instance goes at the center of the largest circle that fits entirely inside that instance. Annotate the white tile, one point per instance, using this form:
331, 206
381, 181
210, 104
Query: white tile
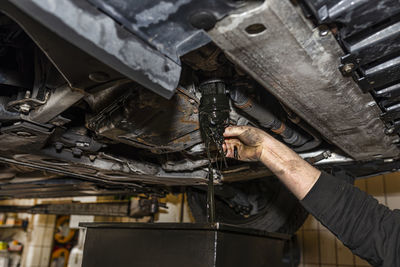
299, 235
39, 220
393, 202
361, 184
37, 236
48, 237
375, 187
327, 247
32, 256
360, 262
344, 255
45, 257
311, 223
392, 186
311, 247
51, 220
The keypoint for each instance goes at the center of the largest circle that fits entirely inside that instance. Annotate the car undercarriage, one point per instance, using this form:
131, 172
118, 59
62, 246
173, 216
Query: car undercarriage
118, 97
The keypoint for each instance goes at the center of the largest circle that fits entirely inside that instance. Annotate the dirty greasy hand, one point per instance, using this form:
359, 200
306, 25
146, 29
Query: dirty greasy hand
244, 143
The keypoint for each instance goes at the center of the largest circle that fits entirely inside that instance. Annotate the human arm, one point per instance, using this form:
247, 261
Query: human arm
253, 144
368, 228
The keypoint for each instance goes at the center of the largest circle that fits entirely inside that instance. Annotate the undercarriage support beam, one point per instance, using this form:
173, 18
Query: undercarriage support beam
134, 208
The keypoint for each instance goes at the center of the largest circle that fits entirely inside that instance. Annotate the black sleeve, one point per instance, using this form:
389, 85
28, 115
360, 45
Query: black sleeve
369, 229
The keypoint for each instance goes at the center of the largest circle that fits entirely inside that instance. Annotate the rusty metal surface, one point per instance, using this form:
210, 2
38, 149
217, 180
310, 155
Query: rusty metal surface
300, 67
23, 135
61, 99
145, 120
106, 169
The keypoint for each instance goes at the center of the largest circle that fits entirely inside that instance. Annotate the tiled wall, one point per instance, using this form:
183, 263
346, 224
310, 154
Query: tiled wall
40, 239
40, 234
321, 248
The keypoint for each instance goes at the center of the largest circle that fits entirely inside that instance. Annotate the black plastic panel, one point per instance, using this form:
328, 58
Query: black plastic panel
170, 25
369, 32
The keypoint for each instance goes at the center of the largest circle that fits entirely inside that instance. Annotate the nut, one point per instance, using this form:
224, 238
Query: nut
349, 67
323, 30
389, 131
25, 108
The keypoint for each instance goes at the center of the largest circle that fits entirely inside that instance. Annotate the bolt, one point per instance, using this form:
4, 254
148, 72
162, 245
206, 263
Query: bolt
24, 134
59, 146
77, 152
99, 77
327, 154
82, 144
323, 30
389, 131
192, 101
203, 20
25, 108
348, 68
166, 68
371, 104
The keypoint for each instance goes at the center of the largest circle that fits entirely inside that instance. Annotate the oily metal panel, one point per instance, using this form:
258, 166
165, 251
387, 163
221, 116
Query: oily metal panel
299, 65
143, 119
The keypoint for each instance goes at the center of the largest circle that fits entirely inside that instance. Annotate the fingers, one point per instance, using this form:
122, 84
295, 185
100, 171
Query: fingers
233, 131
232, 146
228, 148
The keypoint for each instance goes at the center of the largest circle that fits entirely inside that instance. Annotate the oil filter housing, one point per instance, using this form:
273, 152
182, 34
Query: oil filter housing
214, 112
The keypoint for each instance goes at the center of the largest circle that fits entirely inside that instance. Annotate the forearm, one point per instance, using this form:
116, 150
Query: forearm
254, 144
369, 229
297, 174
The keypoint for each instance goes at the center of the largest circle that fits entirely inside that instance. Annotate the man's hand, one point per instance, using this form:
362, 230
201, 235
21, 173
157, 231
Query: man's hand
252, 144
244, 143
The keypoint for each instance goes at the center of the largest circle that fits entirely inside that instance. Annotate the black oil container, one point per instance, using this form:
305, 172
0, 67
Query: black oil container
186, 245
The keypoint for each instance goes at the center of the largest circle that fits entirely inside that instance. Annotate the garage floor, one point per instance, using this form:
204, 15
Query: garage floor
321, 248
